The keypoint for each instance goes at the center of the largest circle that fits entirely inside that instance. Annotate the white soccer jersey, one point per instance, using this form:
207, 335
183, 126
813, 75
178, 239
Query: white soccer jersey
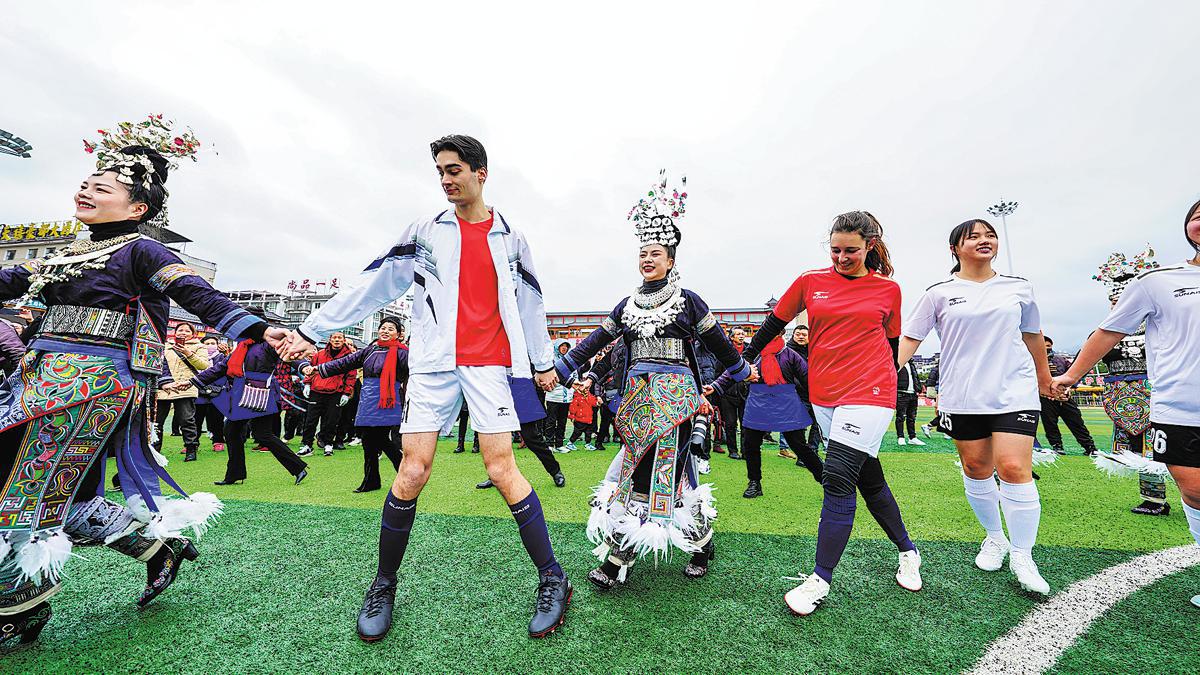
1168, 300
986, 368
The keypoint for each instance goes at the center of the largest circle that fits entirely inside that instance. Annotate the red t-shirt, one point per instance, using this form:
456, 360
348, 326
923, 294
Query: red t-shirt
849, 321
480, 338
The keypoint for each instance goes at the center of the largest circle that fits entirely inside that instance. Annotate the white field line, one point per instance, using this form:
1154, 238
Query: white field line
1036, 644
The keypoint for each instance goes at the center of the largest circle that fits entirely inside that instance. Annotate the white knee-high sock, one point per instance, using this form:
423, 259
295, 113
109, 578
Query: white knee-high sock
984, 498
1193, 520
1022, 511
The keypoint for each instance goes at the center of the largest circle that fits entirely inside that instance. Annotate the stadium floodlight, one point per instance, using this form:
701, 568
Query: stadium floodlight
1004, 210
14, 145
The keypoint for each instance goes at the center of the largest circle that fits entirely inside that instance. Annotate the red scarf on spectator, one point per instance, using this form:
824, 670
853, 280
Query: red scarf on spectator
768, 367
387, 377
235, 365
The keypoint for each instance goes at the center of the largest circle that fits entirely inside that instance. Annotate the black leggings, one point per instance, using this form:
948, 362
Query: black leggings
752, 440
376, 441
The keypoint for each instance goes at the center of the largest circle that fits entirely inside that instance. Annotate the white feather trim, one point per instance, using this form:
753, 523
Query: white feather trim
1044, 457
601, 551
43, 557
159, 458
176, 515
1129, 465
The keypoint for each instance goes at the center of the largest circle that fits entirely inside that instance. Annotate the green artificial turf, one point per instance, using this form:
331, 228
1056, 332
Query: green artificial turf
278, 586
281, 578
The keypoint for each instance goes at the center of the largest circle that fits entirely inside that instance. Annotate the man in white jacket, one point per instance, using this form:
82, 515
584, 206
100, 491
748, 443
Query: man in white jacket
478, 317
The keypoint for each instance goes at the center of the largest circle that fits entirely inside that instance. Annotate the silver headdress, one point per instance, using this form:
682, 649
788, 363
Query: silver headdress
656, 215
1118, 271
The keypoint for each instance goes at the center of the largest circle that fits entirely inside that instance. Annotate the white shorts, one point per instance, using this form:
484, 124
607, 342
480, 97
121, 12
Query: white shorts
434, 399
859, 426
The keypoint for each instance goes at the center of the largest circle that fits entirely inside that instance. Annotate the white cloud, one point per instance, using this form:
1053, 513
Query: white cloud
781, 115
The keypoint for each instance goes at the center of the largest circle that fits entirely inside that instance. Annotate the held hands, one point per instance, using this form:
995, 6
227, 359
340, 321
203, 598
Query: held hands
583, 386
1058, 388
307, 370
175, 387
295, 347
547, 380
276, 337
754, 374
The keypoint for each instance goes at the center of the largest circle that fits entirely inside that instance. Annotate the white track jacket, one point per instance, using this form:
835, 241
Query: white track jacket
427, 254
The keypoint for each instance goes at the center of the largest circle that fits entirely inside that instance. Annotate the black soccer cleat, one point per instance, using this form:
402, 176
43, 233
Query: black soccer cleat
375, 617
559, 479
553, 598
753, 489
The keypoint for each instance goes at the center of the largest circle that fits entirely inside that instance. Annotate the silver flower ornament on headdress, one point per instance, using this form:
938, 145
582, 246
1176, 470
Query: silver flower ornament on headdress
1118, 271
655, 216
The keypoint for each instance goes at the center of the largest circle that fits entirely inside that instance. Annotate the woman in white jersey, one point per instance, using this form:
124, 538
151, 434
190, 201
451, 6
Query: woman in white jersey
993, 365
1167, 300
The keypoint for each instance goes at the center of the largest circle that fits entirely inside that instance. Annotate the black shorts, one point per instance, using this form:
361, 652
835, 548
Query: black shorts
963, 427
1175, 444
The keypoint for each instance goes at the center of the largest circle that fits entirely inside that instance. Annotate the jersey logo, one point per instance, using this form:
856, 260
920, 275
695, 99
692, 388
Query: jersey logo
1188, 290
1026, 418
852, 429
502, 411
957, 301
820, 295
875, 390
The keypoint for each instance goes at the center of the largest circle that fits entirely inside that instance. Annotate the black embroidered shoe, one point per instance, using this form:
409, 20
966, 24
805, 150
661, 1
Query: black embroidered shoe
375, 617
600, 580
26, 626
553, 598
698, 566
162, 569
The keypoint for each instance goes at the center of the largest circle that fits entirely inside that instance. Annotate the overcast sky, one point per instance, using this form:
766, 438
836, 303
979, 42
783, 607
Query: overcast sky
782, 116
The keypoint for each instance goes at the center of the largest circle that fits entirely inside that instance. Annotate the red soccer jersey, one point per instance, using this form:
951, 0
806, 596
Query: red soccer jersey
849, 321
480, 336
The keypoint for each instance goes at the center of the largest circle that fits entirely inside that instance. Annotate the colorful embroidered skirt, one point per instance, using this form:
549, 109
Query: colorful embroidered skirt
674, 511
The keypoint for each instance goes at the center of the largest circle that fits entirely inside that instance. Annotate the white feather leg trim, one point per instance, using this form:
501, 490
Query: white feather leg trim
1129, 465
176, 515
43, 557
1044, 457
159, 458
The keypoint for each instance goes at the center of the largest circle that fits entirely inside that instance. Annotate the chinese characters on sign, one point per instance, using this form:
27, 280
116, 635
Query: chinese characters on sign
51, 229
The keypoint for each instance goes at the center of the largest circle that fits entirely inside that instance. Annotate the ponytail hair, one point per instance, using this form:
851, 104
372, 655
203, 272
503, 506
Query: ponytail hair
867, 226
960, 233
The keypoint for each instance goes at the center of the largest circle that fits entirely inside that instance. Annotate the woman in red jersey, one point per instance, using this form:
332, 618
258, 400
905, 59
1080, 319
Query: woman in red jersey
854, 328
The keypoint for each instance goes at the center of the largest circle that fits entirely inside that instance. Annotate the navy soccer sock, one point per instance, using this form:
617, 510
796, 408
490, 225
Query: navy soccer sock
887, 513
833, 532
531, 523
398, 515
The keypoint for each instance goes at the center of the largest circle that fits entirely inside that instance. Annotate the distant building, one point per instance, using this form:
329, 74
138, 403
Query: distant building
292, 308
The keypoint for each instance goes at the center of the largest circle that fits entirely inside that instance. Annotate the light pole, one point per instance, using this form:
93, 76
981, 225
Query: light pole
14, 145
1004, 210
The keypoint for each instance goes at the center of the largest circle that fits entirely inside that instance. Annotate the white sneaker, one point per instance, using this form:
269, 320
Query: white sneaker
357, 441
805, 598
909, 574
329, 451
925, 429
915, 441
1196, 600
899, 440
304, 451
991, 554
588, 446
565, 449
1027, 573
702, 467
